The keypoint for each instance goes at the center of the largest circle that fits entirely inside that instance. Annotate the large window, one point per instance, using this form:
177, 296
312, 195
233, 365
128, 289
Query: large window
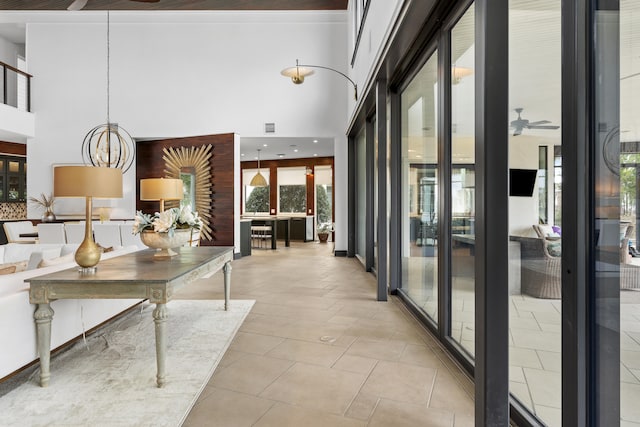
419, 232
292, 190
256, 199
324, 194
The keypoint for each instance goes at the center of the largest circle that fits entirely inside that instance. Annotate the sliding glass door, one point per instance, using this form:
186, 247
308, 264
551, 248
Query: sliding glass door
420, 189
463, 192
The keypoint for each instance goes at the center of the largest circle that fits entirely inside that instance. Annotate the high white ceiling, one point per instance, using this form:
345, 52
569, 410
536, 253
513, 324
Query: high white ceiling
284, 148
13, 26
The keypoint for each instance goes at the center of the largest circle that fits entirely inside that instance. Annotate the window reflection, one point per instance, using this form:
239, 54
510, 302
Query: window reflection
535, 256
629, 136
420, 189
463, 182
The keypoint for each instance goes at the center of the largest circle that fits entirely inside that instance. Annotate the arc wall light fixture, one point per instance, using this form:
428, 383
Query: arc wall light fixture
258, 180
108, 145
300, 71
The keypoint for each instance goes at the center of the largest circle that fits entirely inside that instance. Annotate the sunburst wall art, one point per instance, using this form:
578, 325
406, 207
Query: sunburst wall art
192, 165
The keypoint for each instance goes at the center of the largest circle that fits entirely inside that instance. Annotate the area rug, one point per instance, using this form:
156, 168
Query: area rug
110, 379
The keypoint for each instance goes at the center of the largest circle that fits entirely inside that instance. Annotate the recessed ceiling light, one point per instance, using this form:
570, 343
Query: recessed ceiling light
418, 156
280, 155
265, 145
295, 150
242, 154
315, 141
315, 154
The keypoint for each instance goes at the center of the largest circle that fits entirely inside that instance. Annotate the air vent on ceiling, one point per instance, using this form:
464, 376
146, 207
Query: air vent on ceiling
269, 127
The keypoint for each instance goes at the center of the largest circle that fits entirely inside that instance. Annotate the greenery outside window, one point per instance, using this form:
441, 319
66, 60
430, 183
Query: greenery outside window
256, 199
324, 194
292, 190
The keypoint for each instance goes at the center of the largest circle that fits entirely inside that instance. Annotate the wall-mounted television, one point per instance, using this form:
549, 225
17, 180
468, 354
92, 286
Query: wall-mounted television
522, 182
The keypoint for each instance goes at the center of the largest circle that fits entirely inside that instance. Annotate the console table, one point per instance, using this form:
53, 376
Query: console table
136, 275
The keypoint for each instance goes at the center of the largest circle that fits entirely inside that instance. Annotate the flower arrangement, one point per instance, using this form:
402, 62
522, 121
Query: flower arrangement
167, 221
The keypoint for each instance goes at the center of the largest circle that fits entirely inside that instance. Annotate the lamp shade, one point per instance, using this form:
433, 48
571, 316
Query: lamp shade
160, 189
297, 74
87, 181
258, 181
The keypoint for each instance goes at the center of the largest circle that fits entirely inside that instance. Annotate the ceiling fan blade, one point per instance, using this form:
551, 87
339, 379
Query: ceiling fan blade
517, 132
544, 127
77, 5
539, 122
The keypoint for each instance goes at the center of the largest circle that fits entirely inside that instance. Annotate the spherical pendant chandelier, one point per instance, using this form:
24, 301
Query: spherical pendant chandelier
108, 145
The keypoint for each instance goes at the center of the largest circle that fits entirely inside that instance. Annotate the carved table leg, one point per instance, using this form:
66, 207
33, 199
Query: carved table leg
43, 316
227, 284
160, 317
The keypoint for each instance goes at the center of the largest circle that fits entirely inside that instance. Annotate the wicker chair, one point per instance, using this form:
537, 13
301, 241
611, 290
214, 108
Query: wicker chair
540, 272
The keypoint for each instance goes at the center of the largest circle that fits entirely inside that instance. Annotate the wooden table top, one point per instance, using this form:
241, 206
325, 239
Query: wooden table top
140, 267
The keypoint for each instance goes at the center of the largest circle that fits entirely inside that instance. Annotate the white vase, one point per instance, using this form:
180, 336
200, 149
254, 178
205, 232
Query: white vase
165, 243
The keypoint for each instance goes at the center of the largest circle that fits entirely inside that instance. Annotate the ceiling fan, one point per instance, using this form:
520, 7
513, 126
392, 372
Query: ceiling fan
79, 4
520, 124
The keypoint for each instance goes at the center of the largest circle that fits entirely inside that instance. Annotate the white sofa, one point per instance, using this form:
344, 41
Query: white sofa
71, 318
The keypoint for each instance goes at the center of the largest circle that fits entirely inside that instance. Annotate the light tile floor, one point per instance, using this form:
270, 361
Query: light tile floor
535, 341
319, 350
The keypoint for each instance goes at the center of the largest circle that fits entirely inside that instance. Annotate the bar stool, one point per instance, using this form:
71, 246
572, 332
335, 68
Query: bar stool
260, 234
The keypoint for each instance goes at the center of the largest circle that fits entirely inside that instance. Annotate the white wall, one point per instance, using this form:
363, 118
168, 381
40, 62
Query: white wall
378, 24
194, 74
237, 193
340, 191
15, 125
523, 154
9, 54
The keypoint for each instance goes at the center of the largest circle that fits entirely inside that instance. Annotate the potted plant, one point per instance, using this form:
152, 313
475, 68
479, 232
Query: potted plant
323, 231
45, 203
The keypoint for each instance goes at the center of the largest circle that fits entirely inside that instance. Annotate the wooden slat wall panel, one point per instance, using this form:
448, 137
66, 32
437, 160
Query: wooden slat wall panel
149, 164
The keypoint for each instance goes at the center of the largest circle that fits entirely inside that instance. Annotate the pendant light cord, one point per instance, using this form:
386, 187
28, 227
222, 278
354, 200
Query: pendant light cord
108, 60
258, 160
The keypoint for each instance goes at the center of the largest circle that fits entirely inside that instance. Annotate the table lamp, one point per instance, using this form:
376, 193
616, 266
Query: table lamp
154, 189
87, 182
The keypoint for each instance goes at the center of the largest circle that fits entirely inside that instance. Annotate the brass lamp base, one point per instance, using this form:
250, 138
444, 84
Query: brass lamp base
88, 253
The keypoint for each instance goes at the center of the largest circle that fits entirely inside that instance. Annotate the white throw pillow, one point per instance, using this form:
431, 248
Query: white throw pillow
37, 256
55, 261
